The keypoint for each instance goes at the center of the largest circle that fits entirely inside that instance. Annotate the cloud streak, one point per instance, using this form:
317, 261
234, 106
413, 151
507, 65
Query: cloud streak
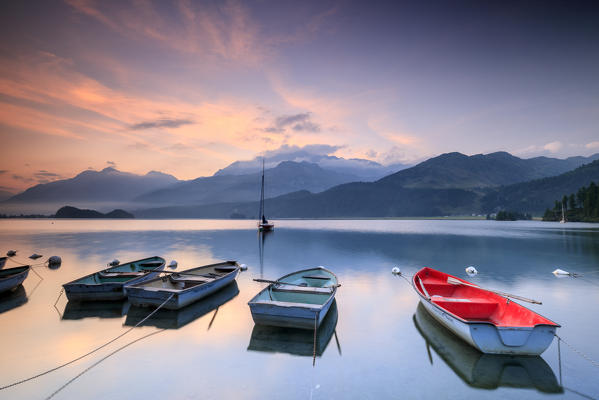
297, 122
160, 123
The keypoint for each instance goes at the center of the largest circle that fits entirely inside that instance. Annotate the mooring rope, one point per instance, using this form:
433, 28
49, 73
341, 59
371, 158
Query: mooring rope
90, 352
100, 360
580, 353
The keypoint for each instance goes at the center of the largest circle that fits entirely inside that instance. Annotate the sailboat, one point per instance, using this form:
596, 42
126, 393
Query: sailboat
563, 220
263, 224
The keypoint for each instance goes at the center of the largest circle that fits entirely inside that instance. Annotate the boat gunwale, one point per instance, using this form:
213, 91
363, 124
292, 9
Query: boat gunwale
25, 270
294, 304
157, 269
428, 300
140, 285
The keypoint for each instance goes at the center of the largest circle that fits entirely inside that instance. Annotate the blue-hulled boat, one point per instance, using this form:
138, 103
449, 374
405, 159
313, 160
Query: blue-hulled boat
10, 278
110, 283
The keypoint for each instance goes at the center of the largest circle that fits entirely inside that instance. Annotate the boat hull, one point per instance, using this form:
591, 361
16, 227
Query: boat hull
11, 281
491, 339
285, 316
141, 297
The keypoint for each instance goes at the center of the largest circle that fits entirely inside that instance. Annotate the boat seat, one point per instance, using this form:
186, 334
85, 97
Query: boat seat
321, 277
124, 274
475, 308
302, 289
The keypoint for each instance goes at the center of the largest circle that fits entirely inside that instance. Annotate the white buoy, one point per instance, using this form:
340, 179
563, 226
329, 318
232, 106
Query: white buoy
471, 271
560, 272
114, 263
54, 262
11, 253
395, 271
35, 256
243, 267
173, 264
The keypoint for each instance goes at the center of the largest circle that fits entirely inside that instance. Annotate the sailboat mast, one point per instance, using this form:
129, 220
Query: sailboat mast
262, 194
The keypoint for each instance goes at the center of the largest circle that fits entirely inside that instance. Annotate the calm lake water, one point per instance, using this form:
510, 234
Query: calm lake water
377, 343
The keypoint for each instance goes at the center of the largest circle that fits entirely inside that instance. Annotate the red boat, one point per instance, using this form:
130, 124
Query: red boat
490, 322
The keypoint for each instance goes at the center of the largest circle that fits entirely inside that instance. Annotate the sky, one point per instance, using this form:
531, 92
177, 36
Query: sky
187, 87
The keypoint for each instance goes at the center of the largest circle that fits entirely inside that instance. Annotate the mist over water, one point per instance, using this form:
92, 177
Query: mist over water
378, 345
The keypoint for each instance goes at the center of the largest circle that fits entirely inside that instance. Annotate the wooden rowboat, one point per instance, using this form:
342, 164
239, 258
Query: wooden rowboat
484, 371
187, 286
109, 284
489, 322
298, 300
10, 278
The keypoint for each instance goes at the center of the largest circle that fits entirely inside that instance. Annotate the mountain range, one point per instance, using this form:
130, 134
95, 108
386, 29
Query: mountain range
449, 184
286, 177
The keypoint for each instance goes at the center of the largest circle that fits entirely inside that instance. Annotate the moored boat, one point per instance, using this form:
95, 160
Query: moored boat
10, 278
489, 322
109, 284
263, 224
185, 287
300, 299
484, 371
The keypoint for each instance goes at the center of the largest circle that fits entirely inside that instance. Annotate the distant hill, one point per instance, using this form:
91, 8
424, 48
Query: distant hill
537, 195
360, 169
456, 170
95, 186
286, 177
73, 212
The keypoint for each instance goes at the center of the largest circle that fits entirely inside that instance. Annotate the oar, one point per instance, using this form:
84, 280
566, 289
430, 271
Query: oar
291, 284
455, 281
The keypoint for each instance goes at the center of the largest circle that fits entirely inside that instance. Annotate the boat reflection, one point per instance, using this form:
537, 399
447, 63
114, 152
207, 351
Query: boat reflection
175, 319
12, 299
484, 371
299, 342
95, 309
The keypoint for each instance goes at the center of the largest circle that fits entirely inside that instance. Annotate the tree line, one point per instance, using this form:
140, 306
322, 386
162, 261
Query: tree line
582, 206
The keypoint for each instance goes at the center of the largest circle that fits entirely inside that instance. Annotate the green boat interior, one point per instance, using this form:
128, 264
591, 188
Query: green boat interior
123, 272
313, 286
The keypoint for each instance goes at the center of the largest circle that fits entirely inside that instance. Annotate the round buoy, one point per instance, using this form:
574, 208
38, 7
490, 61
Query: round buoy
395, 271
243, 267
54, 262
173, 264
471, 271
114, 263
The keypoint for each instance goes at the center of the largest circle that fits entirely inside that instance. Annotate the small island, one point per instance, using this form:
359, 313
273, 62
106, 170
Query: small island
74, 212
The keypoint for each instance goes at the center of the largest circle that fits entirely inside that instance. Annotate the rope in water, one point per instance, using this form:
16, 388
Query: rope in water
100, 360
90, 352
314, 348
580, 353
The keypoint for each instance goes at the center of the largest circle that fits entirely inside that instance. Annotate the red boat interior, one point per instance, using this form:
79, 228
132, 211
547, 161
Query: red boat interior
474, 304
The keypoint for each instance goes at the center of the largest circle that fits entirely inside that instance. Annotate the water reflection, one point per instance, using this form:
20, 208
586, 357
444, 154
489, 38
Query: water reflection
12, 299
175, 319
484, 371
299, 342
95, 309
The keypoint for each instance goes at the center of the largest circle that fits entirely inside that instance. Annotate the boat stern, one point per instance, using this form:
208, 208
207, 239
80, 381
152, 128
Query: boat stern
491, 339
